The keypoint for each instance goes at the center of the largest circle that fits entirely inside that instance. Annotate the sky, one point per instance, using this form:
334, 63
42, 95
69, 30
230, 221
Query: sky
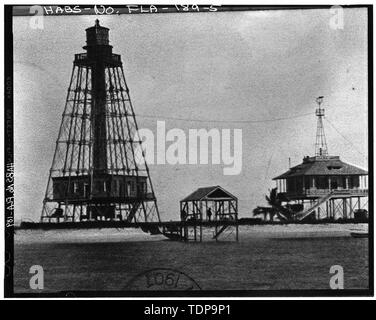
253, 66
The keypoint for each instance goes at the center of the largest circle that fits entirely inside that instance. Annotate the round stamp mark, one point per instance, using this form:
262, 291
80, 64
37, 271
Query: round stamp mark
162, 279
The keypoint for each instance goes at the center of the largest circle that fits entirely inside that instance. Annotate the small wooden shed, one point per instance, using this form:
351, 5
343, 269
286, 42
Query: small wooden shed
210, 206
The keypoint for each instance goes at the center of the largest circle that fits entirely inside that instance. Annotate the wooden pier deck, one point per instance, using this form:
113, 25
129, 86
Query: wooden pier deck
26, 225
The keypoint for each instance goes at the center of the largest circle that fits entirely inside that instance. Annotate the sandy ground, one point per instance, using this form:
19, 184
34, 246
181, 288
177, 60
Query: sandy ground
245, 232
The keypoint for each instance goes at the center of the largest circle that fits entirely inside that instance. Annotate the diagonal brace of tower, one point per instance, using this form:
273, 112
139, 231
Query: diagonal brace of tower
99, 170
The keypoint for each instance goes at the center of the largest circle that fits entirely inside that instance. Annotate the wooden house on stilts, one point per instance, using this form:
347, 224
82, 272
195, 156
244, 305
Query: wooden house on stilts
326, 186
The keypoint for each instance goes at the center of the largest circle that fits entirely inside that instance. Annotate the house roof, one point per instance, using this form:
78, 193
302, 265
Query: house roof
209, 193
319, 166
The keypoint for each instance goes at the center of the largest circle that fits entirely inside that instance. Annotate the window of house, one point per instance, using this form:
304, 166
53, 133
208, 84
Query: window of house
75, 187
86, 190
322, 182
290, 185
299, 184
334, 183
307, 182
106, 186
144, 187
354, 182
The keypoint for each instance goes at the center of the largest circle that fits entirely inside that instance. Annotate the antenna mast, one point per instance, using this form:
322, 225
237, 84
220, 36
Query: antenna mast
321, 148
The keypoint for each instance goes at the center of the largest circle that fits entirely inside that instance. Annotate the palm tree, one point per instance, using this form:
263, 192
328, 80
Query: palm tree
264, 211
275, 200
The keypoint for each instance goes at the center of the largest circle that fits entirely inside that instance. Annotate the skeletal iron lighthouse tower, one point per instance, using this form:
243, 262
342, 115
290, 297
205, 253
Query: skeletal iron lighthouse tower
321, 148
98, 170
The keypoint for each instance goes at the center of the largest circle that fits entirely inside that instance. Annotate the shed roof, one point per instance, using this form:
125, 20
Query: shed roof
209, 193
318, 166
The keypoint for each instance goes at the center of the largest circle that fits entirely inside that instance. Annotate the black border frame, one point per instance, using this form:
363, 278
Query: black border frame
9, 153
